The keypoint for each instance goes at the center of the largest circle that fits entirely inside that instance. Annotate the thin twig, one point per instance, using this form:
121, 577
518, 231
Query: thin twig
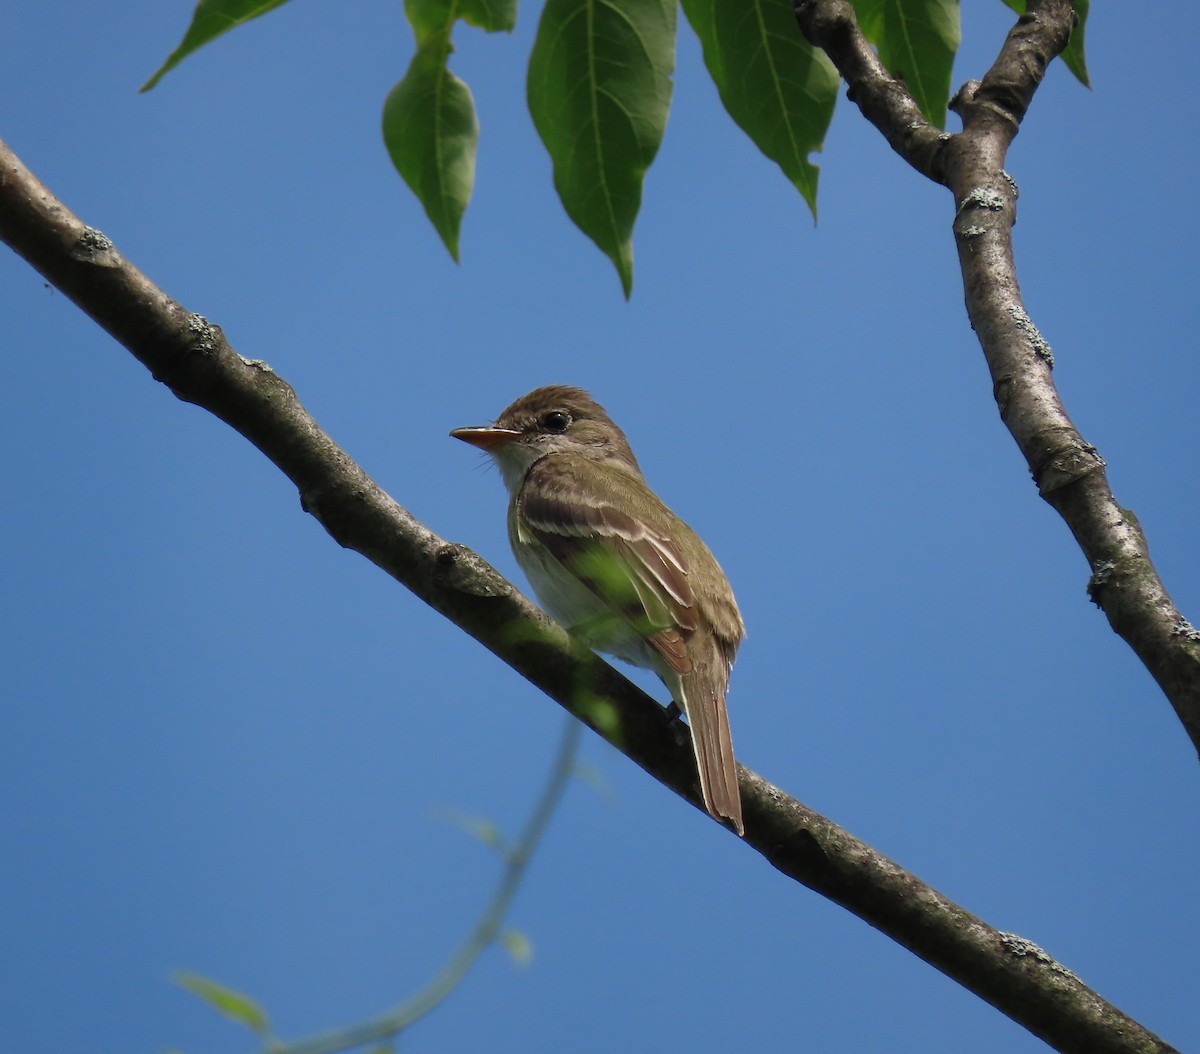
391, 1023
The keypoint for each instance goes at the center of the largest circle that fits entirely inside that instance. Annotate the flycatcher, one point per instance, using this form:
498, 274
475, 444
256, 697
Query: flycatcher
618, 568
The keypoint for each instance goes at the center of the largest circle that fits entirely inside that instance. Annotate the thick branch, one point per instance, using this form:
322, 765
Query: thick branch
190, 355
1068, 471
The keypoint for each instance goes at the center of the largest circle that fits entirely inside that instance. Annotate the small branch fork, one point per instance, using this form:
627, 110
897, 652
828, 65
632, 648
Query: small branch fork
191, 356
1068, 471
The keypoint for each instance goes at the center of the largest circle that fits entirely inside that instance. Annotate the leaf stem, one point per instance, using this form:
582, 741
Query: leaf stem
389, 1024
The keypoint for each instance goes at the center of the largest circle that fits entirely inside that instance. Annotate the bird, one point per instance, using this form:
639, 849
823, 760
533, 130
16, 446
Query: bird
616, 567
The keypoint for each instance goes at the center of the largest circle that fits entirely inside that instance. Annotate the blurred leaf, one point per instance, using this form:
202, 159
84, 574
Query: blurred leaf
518, 946
210, 19
588, 773
476, 826
774, 84
916, 41
232, 1004
599, 88
1073, 54
431, 132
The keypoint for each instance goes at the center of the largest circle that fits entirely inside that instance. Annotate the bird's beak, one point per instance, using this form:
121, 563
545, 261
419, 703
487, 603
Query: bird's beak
486, 437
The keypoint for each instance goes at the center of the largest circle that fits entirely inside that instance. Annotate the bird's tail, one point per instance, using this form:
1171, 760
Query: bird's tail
703, 689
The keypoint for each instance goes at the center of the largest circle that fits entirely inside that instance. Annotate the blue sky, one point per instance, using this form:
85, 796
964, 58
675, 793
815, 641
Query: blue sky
226, 740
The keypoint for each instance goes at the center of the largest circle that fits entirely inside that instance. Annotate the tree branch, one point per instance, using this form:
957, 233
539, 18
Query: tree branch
1068, 471
190, 355
883, 99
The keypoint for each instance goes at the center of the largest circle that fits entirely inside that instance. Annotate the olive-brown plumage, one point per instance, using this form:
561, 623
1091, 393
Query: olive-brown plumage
613, 564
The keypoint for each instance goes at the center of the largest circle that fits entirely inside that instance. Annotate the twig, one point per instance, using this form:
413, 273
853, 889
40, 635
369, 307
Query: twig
390, 1024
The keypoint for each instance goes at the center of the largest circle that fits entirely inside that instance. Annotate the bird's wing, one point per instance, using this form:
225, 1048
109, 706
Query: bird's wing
639, 571
636, 569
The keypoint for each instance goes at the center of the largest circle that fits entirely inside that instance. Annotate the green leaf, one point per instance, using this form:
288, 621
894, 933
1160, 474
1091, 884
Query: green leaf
1073, 54
477, 827
494, 16
518, 946
917, 41
232, 1004
599, 88
431, 132
778, 89
429, 123
210, 19
435, 18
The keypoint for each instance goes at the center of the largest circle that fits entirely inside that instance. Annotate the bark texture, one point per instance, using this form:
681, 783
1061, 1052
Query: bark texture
1069, 472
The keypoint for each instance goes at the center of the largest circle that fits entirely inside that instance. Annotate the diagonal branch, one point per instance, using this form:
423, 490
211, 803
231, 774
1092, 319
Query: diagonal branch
191, 356
883, 99
1068, 471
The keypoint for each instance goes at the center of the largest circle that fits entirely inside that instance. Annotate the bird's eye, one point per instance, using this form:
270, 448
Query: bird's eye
555, 421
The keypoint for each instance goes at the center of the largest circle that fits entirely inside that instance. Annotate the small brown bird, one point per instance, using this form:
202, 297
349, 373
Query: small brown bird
618, 568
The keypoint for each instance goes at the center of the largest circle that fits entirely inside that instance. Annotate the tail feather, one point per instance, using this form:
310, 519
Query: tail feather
703, 689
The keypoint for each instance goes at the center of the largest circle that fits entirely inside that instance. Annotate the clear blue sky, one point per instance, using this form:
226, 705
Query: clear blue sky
226, 739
